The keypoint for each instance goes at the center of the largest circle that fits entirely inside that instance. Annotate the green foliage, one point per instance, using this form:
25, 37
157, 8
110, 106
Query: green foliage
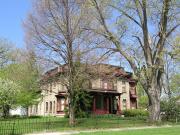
175, 85
9, 92
82, 104
135, 113
171, 109
143, 102
27, 78
142, 97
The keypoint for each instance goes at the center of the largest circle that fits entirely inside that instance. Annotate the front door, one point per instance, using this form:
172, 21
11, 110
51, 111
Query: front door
60, 105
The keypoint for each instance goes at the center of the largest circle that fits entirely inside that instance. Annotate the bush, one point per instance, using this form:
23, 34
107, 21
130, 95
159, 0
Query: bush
35, 116
16, 116
170, 109
135, 113
82, 104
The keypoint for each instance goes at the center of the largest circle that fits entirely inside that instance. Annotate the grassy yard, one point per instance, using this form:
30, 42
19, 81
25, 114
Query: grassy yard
154, 131
29, 125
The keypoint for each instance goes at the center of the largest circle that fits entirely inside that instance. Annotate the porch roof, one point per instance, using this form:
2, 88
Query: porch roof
104, 91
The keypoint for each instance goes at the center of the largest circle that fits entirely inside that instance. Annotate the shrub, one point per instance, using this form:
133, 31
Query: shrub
35, 116
170, 109
135, 113
16, 116
82, 104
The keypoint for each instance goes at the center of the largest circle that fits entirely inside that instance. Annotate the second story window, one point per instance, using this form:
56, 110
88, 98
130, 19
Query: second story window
106, 84
123, 82
50, 87
123, 89
54, 84
124, 104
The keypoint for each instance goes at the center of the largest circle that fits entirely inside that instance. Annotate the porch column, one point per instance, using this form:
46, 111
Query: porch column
119, 105
107, 105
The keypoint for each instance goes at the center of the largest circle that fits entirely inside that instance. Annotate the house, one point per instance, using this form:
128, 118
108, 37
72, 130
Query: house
112, 89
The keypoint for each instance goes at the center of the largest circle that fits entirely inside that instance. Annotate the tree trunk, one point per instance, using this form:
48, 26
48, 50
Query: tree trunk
154, 103
71, 113
6, 109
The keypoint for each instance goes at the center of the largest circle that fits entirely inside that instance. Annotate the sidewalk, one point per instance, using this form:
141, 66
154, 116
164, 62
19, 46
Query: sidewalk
97, 130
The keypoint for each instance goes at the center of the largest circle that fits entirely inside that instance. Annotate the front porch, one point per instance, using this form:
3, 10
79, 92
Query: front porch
106, 103
103, 102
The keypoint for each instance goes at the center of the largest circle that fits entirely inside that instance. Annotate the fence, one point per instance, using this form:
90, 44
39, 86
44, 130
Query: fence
20, 126
29, 125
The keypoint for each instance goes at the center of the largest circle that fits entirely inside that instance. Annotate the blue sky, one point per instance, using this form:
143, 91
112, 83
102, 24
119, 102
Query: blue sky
12, 14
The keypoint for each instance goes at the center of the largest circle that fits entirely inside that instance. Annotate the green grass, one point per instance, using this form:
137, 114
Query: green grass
29, 125
154, 131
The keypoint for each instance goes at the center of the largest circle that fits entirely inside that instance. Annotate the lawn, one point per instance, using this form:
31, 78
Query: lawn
30, 125
154, 131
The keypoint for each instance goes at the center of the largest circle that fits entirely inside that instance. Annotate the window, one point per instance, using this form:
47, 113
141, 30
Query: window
61, 104
105, 85
50, 109
124, 89
124, 104
30, 109
54, 84
46, 107
50, 89
99, 102
36, 109
54, 107
123, 82
46, 88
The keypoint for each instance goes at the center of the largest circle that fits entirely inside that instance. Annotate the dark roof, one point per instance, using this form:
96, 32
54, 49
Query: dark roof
103, 70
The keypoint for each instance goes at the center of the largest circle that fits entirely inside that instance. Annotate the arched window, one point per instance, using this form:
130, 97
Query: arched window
50, 109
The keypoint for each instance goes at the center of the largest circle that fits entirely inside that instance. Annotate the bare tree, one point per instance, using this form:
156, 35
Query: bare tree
55, 31
138, 28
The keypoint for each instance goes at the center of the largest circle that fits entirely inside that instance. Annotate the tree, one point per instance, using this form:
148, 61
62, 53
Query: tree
24, 72
56, 31
8, 96
4, 52
171, 109
148, 25
174, 85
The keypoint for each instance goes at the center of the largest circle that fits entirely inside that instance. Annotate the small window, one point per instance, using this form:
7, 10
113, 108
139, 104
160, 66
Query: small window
50, 109
46, 107
30, 109
105, 85
50, 87
123, 82
99, 102
124, 104
36, 109
61, 104
124, 89
54, 107
54, 84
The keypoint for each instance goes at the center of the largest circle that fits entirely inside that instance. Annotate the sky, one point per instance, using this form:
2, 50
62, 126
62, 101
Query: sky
12, 14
